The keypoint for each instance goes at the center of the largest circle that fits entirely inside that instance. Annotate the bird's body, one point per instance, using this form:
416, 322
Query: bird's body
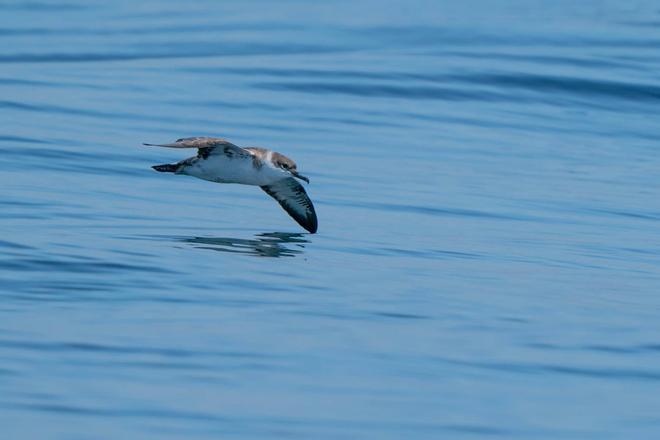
251, 169
223, 162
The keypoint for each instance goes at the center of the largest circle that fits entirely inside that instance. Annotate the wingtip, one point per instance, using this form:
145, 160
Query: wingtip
312, 226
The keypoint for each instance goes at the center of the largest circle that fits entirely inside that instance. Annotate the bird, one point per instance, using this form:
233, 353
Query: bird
218, 160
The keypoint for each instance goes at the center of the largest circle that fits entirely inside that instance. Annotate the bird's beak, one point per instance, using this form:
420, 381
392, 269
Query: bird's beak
299, 176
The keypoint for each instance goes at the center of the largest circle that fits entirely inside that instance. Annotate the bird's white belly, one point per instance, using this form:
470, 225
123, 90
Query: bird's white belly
223, 169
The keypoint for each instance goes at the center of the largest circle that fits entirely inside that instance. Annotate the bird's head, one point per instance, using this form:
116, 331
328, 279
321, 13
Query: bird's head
287, 165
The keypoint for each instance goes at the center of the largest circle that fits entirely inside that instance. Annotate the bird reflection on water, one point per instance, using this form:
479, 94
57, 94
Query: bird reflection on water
267, 244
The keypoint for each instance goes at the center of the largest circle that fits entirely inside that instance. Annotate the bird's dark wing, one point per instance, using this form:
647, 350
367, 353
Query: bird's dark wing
292, 197
207, 146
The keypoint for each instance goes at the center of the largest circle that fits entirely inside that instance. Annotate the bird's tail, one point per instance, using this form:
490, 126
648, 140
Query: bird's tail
166, 168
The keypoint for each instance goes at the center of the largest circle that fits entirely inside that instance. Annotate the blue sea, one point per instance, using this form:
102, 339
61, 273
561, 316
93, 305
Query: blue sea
486, 176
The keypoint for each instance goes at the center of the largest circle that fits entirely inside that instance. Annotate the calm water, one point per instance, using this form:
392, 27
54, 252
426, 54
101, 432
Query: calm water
486, 178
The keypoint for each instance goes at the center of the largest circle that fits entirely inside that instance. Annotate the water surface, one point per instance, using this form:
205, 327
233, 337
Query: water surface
486, 181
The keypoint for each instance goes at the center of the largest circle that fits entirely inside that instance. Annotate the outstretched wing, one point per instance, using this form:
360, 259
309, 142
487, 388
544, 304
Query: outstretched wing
207, 146
292, 197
